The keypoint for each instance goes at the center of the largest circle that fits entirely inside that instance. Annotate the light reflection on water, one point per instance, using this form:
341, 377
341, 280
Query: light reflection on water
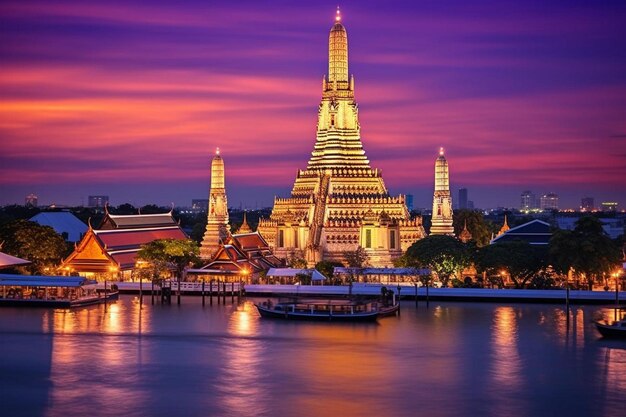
223, 360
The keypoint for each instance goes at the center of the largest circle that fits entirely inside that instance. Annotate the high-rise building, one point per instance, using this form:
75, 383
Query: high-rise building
217, 228
339, 203
463, 198
97, 201
587, 204
549, 201
442, 200
199, 204
31, 200
528, 201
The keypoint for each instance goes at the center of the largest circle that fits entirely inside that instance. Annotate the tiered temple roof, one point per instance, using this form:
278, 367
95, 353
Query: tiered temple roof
115, 244
339, 202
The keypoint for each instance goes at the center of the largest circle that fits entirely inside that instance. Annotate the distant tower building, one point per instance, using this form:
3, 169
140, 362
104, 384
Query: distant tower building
528, 201
31, 200
549, 201
199, 205
587, 204
463, 198
409, 201
442, 201
505, 227
245, 227
97, 201
465, 235
217, 229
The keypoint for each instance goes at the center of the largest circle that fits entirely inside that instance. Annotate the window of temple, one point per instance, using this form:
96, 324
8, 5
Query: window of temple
281, 238
295, 238
368, 238
392, 239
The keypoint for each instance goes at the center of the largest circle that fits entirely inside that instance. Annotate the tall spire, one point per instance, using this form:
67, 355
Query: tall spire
442, 201
338, 52
338, 142
217, 229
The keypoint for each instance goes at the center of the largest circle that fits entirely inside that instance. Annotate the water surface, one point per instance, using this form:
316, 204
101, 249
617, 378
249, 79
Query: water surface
451, 359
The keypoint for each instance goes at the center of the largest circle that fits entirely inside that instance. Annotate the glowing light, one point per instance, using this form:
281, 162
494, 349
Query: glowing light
217, 151
441, 151
338, 16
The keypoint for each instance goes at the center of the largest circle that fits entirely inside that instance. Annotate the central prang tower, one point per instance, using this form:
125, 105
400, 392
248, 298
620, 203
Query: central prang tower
339, 202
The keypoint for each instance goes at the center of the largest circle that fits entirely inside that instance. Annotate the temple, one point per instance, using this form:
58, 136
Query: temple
339, 203
217, 228
110, 251
442, 201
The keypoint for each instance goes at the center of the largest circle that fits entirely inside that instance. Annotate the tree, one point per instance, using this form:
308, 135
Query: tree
445, 255
164, 254
356, 259
587, 250
296, 261
519, 259
476, 224
327, 267
29, 240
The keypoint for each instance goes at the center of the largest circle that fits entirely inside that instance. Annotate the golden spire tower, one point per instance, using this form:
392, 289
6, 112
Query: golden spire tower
442, 201
217, 229
339, 203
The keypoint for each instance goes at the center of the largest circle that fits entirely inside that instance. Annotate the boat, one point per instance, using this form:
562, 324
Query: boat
615, 330
320, 310
390, 310
51, 291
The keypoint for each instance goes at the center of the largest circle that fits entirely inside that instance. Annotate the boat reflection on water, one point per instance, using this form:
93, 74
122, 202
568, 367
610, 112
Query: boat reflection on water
450, 359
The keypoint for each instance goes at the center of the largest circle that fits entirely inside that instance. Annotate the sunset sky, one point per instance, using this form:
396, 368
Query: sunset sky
130, 99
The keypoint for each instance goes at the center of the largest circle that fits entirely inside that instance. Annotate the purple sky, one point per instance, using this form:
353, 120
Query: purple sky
130, 99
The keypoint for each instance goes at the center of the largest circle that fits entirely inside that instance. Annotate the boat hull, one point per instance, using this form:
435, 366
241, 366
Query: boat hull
27, 302
291, 315
612, 332
389, 311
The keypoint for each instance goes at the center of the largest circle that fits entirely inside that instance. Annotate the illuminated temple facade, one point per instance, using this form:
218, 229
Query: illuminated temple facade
339, 203
217, 228
442, 200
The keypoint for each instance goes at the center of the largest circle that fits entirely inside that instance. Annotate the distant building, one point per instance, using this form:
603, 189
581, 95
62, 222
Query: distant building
528, 201
463, 198
97, 201
64, 223
535, 232
199, 204
608, 206
470, 205
549, 201
587, 204
31, 200
409, 201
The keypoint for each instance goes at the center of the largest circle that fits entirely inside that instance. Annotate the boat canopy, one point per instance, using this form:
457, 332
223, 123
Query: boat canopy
292, 272
12, 280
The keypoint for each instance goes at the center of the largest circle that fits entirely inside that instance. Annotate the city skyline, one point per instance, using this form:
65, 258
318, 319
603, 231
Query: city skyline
130, 101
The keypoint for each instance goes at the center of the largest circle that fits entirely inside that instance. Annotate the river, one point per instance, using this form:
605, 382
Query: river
450, 359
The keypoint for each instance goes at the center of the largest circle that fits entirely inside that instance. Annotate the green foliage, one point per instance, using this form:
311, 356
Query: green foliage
296, 261
327, 267
356, 259
31, 241
520, 260
445, 255
164, 254
476, 224
586, 249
